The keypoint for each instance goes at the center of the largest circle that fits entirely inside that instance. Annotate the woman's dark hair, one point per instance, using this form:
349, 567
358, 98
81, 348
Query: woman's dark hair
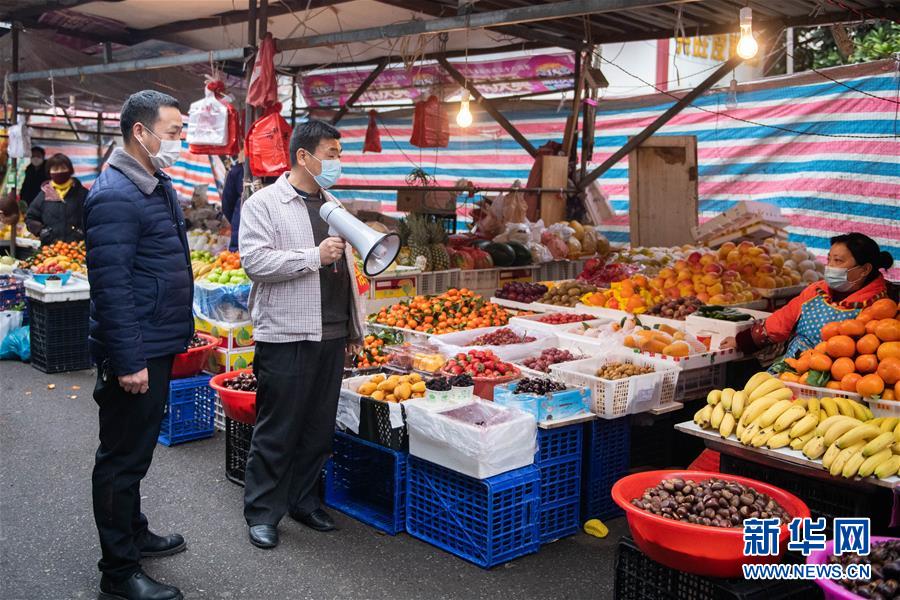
865, 250
60, 160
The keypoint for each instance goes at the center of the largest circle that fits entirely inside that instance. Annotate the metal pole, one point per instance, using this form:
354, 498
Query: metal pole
576, 102
190, 58
261, 16
99, 140
494, 18
661, 120
15, 117
248, 110
359, 92
450, 188
293, 102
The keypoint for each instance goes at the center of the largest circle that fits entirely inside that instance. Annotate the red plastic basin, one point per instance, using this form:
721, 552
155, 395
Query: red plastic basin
697, 549
239, 406
190, 363
832, 590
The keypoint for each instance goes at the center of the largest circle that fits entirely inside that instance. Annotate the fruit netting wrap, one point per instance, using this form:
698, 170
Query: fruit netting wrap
451, 344
216, 302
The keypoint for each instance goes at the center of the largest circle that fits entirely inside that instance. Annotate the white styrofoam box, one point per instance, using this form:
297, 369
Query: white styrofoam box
450, 344
515, 305
718, 330
541, 307
616, 398
479, 451
618, 315
75, 289
533, 323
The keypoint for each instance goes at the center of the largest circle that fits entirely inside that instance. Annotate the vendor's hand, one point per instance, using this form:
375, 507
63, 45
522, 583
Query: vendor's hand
728, 343
354, 348
330, 250
136, 383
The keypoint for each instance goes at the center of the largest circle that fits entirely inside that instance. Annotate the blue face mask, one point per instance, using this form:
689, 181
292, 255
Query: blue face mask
836, 278
331, 172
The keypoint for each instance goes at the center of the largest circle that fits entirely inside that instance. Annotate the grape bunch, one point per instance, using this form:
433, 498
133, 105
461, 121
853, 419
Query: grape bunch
244, 382
521, 292
539, 387
197, 342
501, 337
438, 384
548, 357
462, 381
564, 318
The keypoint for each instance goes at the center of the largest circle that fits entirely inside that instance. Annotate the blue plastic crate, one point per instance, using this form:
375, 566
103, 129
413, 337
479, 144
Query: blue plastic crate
559, 520
368, 482
560, 481
485, 521
606, 460
190, 412
562, 443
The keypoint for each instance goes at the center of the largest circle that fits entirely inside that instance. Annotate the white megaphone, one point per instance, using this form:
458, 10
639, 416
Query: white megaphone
378, 250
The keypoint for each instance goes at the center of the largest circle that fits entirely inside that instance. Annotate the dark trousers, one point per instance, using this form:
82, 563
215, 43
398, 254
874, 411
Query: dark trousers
129, 426
296, 405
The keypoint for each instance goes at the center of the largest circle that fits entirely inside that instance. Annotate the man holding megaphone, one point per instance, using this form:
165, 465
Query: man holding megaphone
306, 309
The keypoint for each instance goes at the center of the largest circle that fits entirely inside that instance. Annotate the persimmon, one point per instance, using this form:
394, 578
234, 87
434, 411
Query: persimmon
833, 385
853, 328
822, 348
868, 344
883, 309
790, 377
820, 362
842, 367
866, 363
888, 330
871, 325
870, 385
848, 383
888, 394
889, 370
888, 349
841, 346
829, 330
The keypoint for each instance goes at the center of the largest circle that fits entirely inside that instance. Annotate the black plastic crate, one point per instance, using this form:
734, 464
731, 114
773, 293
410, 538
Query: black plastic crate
59, 335
375, 425
606, 460
640, 578
825, 498
237, 447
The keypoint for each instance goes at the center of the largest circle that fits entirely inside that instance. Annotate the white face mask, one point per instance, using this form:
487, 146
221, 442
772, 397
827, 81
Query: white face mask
169, 151
331, 172
838, 279
37, 161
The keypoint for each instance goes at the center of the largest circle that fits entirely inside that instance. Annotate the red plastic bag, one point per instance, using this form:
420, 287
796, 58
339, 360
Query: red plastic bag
263, 90
268, 144
234, 126
373, 138
431, 126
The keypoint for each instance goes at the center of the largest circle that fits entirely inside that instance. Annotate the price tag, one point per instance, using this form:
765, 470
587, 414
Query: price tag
399, 287
516, 275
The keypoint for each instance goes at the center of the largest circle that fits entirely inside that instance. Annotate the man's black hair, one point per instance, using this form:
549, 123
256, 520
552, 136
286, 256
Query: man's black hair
308, 135
39, 149
143, 107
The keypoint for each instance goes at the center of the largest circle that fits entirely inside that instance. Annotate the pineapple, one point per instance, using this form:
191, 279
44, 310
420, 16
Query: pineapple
440, 258
404, 258
418, 239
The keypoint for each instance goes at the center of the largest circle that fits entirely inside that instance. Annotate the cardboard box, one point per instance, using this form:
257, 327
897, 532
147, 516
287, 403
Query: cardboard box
231, 336
426, 202
222, 361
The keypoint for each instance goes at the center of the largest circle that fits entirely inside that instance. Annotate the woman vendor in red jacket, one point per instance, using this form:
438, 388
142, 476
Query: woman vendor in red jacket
852, 282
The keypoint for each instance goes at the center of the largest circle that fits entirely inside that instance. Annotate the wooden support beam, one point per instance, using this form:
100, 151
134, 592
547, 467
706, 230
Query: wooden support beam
664, 118
489, 107
359, 91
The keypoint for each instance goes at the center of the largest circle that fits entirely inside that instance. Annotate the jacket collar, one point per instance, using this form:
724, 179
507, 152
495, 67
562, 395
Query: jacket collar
133, 170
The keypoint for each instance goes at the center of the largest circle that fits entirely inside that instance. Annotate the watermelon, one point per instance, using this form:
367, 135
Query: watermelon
502, 254
481, 244
523, 255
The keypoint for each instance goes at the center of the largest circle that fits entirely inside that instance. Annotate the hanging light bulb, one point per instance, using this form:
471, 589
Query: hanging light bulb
464, 116
747, 46
731, 100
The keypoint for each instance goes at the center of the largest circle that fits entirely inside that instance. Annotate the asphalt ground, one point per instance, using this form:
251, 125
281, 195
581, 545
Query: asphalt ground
49, 547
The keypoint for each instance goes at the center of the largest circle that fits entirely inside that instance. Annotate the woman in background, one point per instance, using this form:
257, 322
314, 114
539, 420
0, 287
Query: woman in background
57, 212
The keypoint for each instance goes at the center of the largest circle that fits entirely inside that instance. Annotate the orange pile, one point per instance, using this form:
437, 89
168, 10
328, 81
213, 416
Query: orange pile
860, 355
454, 310
229, 261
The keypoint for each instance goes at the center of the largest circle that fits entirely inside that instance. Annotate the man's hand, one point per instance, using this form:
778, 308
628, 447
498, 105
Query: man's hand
330, 250
136, 383
354, 348
728, 344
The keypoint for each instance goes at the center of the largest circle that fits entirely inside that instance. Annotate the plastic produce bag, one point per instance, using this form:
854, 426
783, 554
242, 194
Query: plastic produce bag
19, 139
207, 122
263, 89
515, 232
373, 137
562, 230
480, 439
555, 244
230, 143
431, 126
9, 321
227, 303
268, 144
450, 344
539, 253
16, 345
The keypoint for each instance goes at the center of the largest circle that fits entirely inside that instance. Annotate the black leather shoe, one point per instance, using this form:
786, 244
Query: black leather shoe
264, 536
152, 545
317, 519
137, 587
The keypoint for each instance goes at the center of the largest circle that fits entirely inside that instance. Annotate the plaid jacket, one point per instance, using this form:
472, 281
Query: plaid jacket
281, 258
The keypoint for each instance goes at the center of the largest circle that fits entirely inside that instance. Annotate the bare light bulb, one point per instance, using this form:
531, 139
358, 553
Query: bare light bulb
464, 116
747, 46
731, 100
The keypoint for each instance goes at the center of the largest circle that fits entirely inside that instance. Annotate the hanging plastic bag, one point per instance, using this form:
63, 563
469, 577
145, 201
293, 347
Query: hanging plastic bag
268, 144
207, 122
16, 345
231, 141
19, 140
263, 90
431, 126
373, 137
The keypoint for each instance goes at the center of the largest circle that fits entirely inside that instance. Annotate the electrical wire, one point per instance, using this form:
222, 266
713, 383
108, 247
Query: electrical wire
756, 123
849, 87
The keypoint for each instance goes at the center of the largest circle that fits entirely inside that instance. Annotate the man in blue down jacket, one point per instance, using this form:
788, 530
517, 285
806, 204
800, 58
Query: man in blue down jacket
141, 293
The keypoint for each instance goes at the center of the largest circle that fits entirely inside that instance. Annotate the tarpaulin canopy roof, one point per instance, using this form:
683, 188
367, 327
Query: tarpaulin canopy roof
317, 33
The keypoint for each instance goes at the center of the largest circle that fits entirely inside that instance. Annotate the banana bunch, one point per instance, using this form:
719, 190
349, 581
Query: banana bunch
840, 432
200, 268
